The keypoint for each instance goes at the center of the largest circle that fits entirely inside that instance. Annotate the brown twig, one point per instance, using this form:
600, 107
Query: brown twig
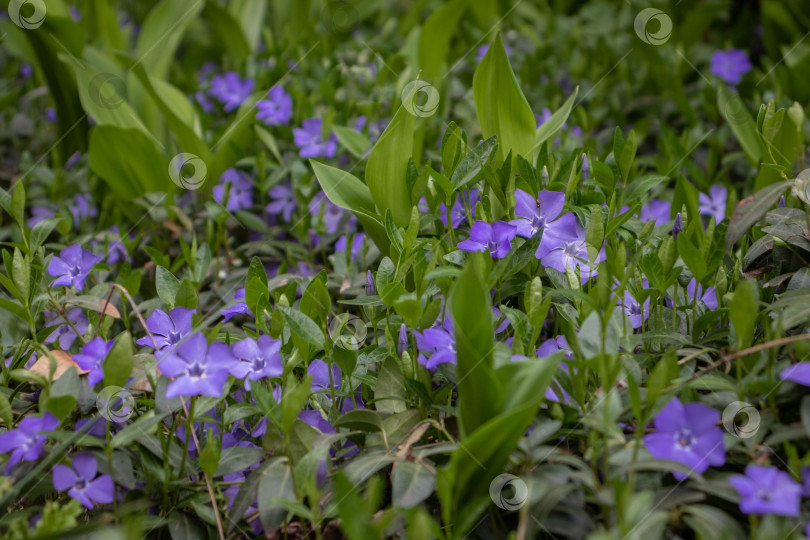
751, 350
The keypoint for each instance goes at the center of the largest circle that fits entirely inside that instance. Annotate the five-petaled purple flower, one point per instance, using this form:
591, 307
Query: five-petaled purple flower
309, 138
83, 481
283, 201
708, 297
230, 89
357, 244
634, 309
92, 358
277, 109
730, 65
535, 214
657, 211
714, 204
65, 333
72, 266
25, 442
458, 212
767, 490
496, 238
197, 369
563, 246
239, 190
440, 342
167, 329
82, 208
258, 358
689, 435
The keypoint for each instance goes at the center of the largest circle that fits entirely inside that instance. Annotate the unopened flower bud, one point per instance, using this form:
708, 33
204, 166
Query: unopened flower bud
586, 168
677, 228
371, 290
402, 341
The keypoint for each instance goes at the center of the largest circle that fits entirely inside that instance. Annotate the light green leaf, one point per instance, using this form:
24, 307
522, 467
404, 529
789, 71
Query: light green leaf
387, 167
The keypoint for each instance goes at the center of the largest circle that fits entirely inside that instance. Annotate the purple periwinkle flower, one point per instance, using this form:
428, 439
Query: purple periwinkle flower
534, 214
439, 342
92, 359
689, 435
375, 129
83, 481
319, 370
708, 297
496, 238
782, 202
82, 208
714, 204
677, 227
458, 212
230, 89
65, 333
25, 442
197, 369
798, 373
635, 311
357, 244
72, 266
167, 329
767, 490
309, 138
258, 358
332, 213
657, 211
402, 339
563, 246
39, 213
239, 190
371, 289
283, 202
277, 109
239, 308
730, 65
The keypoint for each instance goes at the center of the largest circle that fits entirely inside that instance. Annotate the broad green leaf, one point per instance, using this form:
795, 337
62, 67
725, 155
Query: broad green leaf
435, 36
752, 209
64, 394
162, 31
361, 420
501, 106
387, 166
167, 285
742, 310
411, 484
733, 110
276, 483
129, 162
118, 365
302, 326
145, 425
389, 392
352, 140
692, 257
471, 167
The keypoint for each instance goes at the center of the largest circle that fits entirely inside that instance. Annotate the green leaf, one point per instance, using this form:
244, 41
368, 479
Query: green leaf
692, 257
454, 148
316, 302
361, 420
471, 167
18, 204
145, 425
555, 123
479, 395
64, 394
118, 365
167, 285
411, 484
354, 141
295, 397
276, 483
389, 392
162, 31
742, 310
209, 457
733, 110
302, 326
501, 106
752, 209
22, 274
435, 36
387, 166
129, 162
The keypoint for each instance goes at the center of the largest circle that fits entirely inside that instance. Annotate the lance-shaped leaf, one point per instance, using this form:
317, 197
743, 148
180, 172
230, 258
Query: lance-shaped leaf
501, 106
387, 167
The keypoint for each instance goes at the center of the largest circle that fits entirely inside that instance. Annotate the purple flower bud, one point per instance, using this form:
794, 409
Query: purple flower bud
782, 203
586, 168
370, 288
677, 228
402, 341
